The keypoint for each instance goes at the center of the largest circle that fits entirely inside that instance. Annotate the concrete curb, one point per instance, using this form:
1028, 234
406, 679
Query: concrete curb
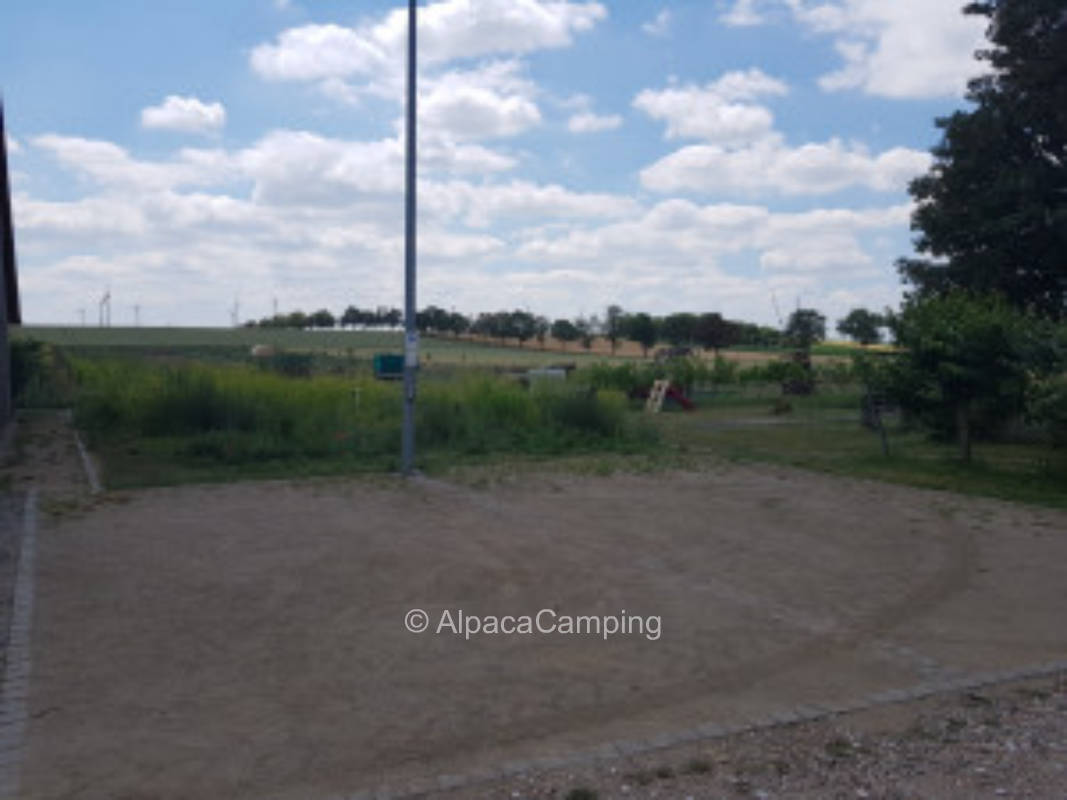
88, 465
16, 681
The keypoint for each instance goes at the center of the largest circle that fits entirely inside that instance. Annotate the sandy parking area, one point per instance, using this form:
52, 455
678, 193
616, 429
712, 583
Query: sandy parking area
248, 641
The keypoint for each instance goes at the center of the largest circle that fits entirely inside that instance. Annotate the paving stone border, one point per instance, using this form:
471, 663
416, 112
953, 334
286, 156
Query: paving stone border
87, 464
16, 680
711, 730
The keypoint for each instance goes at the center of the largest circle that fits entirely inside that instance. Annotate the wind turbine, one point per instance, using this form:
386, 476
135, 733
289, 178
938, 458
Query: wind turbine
81, 314
137, 316
235, 312
105, 309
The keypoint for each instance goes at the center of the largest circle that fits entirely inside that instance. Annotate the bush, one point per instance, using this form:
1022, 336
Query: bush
1048, 408
39, 375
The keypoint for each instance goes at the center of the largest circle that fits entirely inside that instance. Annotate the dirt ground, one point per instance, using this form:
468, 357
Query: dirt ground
248, 640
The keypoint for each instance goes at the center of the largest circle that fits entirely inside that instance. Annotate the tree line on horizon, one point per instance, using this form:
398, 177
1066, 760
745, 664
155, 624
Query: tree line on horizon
683, 329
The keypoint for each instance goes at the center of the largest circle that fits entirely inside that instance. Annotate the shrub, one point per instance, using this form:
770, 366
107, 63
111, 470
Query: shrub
1048, 408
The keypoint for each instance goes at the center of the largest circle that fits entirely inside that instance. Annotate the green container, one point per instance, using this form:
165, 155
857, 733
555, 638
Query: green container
388, 366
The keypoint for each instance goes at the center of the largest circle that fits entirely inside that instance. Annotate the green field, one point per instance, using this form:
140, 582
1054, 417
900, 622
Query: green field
170, 405
217, 344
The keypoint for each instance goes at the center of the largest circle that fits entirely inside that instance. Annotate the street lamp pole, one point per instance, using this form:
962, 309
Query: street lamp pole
411, 340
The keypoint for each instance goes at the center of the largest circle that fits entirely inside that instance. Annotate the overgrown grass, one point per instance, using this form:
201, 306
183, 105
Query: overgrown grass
824, 434
201, 419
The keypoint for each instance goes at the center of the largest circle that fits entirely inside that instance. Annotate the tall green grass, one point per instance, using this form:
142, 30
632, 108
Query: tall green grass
241, 415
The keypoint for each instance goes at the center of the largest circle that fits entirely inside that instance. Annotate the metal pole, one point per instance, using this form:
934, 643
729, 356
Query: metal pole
411, 341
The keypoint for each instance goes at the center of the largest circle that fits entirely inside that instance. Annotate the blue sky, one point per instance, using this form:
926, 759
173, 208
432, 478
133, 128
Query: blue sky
698, 156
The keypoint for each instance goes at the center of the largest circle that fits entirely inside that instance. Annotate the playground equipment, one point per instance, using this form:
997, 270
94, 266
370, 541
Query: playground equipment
660, 391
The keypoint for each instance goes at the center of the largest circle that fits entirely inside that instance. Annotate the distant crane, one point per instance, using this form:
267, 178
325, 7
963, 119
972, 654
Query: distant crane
105, 309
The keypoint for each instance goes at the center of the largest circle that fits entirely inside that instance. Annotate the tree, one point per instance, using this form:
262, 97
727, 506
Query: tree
966, 360
641, 328
586, 330
613, 326
714, 332
862, 326
350, 317
457, 323
991, 213
678, 328
296, 319
321, 319
805, 327
541, 327
565, 331
522, 325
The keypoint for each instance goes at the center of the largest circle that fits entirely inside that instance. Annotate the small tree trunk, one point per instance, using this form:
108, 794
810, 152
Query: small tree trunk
963, 429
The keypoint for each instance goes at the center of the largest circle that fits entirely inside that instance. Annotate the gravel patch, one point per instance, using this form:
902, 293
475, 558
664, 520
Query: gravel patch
1004, 741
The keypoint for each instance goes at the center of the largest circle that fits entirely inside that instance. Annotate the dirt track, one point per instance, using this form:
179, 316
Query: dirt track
247, 641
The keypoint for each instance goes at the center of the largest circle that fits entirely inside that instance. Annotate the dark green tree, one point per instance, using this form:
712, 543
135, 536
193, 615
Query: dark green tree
458, 324
350, 318
541, 328
613, 326
587, 327
805, 327
678, 328
523, 326
321, 319
862, 326
641, 328
965, 360
991, 213
564, 331
713, 332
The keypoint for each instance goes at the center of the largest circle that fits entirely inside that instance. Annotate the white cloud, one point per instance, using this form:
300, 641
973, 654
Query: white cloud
742, 13
660, 26
770, 165
187, 114
448, 30
720, 111
107, 164
903, 49
491, 101
743, 153
479, 205
674, 257
817, 254
588, 122
12, 144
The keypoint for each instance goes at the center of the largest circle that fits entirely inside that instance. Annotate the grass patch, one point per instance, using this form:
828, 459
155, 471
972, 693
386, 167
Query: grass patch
824, 434
161, 424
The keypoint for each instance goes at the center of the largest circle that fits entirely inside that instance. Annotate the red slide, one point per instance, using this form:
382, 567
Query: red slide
676, 393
